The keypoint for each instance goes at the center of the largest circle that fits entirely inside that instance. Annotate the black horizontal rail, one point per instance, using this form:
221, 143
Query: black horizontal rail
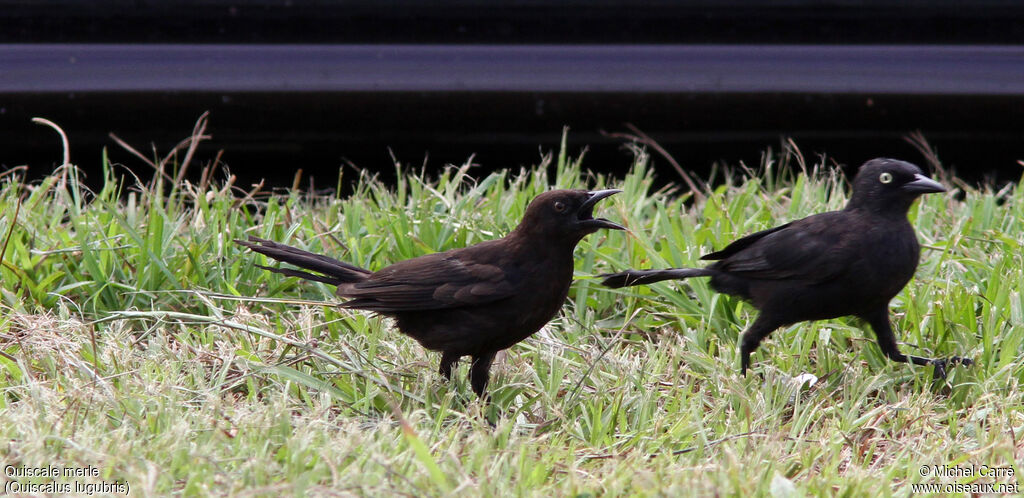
819, 69
513, 21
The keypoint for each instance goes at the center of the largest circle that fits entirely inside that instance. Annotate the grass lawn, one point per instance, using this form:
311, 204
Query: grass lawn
139, 345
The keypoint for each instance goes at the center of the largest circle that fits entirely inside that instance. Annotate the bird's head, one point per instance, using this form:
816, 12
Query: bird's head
566, 214
890, 185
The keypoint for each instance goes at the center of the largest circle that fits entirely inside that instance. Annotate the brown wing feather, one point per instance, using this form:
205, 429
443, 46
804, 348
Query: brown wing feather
436, 281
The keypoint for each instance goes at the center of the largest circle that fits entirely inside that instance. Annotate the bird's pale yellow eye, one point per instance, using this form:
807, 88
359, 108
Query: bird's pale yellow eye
885, 177
560, 206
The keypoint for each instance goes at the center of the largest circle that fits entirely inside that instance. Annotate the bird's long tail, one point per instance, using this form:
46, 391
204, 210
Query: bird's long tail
630, 278
333, 272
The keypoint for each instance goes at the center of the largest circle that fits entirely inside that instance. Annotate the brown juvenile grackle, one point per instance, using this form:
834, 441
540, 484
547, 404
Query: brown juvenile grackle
473, 301
839, 263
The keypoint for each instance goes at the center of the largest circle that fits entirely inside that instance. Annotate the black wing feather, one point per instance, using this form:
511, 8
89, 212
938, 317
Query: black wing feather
814, 249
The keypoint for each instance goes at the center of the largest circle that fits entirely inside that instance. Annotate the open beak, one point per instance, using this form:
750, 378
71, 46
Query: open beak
586, 212
922, 185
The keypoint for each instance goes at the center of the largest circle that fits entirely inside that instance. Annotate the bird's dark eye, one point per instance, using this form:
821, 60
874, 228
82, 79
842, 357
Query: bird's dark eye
560, 206
885, 177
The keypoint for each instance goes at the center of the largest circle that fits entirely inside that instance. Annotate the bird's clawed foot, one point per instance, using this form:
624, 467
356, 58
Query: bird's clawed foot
941, 365
745, 365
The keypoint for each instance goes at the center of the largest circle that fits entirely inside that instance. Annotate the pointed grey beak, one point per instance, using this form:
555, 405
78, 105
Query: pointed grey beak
922, 185
586, 212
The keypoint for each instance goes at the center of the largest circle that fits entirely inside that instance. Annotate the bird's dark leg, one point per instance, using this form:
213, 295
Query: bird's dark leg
479, 371
879, 322
752, 338
448, 361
